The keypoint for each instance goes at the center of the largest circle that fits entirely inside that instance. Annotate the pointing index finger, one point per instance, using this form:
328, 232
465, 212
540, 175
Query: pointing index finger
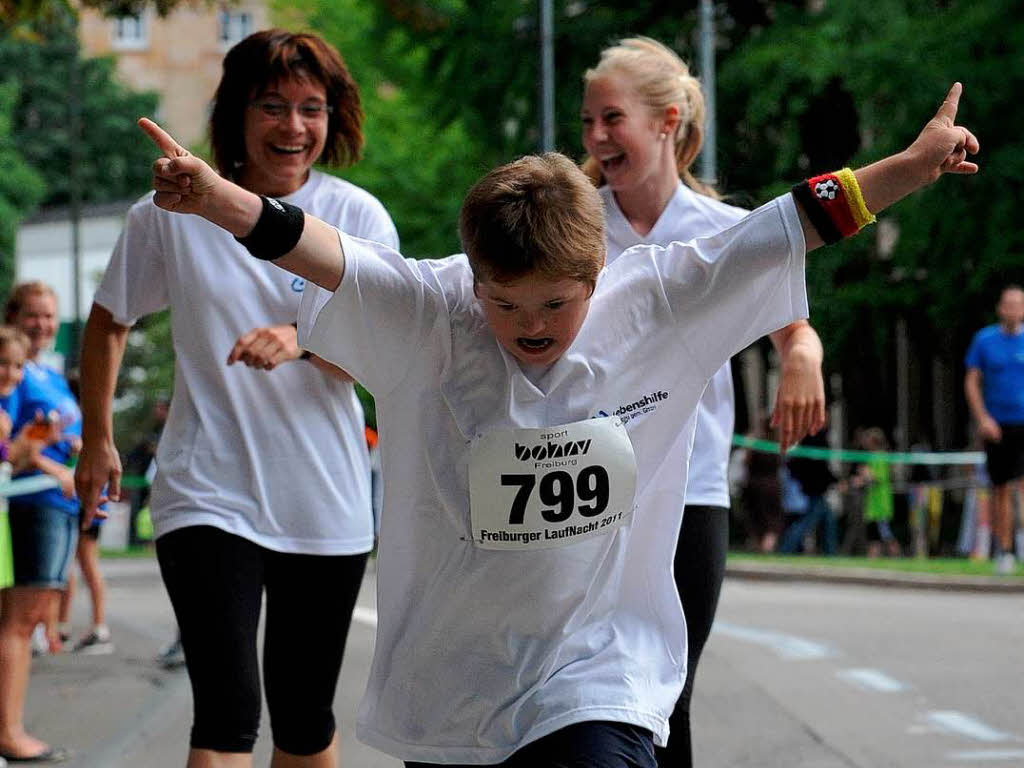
161, 138
950, 105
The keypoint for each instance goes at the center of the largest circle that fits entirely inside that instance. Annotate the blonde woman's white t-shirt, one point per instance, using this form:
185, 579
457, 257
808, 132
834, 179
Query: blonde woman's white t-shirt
689, 215
277, 457
481, 651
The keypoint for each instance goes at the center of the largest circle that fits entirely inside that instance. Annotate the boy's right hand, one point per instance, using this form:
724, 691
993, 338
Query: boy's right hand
182, 181
185, 184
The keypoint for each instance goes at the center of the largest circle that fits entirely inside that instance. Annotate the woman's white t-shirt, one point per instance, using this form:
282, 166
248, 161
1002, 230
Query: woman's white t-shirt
689, 215
277, 457
481, 651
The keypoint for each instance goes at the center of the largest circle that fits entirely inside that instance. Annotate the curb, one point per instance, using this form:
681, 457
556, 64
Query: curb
873, 578
147, 569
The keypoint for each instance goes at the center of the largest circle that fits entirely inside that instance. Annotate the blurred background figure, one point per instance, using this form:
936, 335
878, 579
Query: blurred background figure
994, 387
139, 463
875, 478
818, 524
762, 495
925, 504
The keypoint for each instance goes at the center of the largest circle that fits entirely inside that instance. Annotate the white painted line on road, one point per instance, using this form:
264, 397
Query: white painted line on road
965, 725
786, 646
366, 616
871, 680
987, 755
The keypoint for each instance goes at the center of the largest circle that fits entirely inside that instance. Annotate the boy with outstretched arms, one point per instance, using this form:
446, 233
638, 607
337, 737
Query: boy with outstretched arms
527, 397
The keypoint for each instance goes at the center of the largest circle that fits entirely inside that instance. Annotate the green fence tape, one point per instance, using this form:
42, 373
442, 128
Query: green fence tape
134, 482
846, 454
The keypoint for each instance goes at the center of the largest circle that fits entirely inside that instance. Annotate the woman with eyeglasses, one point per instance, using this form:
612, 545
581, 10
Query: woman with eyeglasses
263, 479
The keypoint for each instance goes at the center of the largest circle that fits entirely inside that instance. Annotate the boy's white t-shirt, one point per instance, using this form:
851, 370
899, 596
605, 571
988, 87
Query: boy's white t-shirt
689, 215
478, 651
277, 457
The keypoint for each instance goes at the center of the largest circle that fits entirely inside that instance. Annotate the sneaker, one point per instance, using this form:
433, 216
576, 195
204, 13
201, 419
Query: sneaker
96, 643
172, 656
40, 645
1006, 563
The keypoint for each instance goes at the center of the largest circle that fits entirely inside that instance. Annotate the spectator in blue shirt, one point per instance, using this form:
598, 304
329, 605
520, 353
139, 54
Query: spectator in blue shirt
994, 386
44, 525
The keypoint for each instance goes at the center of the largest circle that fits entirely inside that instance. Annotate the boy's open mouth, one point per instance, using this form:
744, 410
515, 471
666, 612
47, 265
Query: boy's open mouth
534, 346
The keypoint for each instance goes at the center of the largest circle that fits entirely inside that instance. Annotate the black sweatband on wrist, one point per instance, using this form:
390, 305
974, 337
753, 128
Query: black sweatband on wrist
277, 230
827, 230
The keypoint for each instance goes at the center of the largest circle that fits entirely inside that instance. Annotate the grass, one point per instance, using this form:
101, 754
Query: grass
938, 566
139, 551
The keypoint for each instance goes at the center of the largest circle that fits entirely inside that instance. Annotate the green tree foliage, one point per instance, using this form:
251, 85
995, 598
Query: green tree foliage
852, 83
803, 87
146, 374
20, 186
481, 60
114, 156
21, 16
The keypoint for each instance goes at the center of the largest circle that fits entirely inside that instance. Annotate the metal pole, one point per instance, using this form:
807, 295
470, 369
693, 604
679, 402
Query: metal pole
708, 169
547, 77
75, 204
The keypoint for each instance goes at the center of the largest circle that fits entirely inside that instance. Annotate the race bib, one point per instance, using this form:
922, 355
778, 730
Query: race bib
538, 488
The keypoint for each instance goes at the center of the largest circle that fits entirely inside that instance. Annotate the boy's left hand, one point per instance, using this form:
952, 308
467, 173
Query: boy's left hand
942, 146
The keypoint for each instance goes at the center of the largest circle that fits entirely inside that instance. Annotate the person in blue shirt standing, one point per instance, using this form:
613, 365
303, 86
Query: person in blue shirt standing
994, 386
44, 525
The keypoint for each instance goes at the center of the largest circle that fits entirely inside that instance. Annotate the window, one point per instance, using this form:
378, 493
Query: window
233, 27
131, 32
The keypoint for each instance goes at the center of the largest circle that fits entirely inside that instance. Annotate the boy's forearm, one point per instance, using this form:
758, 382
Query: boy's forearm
233, 208
888, 181
317, 256
882, 184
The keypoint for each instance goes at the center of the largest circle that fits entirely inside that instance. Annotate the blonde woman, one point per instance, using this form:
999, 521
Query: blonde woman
643, 125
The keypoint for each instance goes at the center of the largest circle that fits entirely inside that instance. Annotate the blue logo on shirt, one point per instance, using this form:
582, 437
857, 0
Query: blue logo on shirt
298, 285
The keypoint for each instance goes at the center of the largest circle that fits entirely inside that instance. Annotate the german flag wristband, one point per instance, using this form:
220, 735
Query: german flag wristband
834, 205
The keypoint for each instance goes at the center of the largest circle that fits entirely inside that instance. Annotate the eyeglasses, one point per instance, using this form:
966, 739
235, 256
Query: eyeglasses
274, 109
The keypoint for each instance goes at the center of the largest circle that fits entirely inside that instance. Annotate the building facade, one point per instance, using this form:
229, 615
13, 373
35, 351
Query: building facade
179, 56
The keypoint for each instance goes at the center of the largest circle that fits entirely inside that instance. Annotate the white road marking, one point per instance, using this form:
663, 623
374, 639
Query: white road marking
871, 680
366, 616
987, 755
786, 646
965, 725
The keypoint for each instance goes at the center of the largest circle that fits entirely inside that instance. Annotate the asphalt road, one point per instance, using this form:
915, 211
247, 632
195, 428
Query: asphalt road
803, 675
794, 676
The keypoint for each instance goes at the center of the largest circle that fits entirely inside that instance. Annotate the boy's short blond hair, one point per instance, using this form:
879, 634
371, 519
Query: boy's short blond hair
11, 336
538, 214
